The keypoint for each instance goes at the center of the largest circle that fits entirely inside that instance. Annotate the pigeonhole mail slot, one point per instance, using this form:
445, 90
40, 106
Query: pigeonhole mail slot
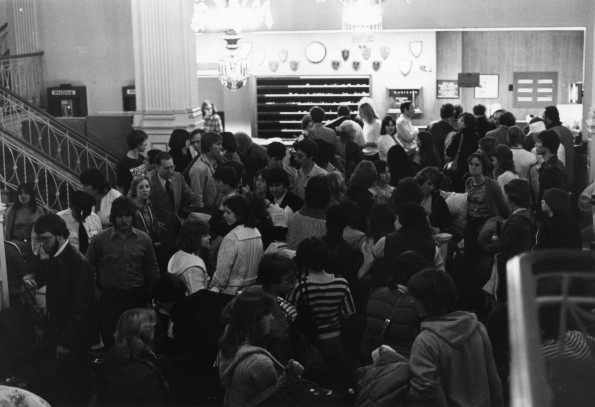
67, 101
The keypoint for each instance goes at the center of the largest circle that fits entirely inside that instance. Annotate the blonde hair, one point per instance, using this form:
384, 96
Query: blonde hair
134, 333
134, 185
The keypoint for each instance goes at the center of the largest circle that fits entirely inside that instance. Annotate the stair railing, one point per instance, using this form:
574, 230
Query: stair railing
23, 74
52, 138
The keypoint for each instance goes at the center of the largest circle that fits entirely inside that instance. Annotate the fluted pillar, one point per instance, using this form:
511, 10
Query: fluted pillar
24, 14
165, 67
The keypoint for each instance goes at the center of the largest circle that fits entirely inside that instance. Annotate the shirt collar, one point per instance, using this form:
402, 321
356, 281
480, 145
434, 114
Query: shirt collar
114, 233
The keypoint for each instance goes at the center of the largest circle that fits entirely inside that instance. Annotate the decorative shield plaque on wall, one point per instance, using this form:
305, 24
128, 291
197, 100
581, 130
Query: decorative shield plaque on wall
345, 54
273, 65
335, 64
294, 65
405, 66
384, 52
376, 65
366, 51
283, 55
355, 65
416, 47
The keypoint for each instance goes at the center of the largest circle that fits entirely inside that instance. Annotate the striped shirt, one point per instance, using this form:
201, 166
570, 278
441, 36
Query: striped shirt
576, 346
328, 301
288, 309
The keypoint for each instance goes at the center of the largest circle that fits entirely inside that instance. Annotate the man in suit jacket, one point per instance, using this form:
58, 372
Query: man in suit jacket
441, 128
169, 194
506, 120
483, 124
69, 332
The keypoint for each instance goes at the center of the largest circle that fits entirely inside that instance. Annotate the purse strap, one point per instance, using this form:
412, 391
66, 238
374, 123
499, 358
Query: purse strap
459, 150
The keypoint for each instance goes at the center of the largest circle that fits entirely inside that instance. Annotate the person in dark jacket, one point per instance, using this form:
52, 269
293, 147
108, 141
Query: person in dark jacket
552, 172
391, 314
464, 143
131, 375
69, 332
363, 178
557, 230
483, 124
179, 150
253, 156
518, 231
430, 179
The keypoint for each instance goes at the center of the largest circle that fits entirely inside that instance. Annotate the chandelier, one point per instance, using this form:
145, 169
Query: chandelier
232, 17
362, 17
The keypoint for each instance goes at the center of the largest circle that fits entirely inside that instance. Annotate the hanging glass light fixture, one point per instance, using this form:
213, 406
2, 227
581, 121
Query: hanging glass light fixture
232, 17
362, 18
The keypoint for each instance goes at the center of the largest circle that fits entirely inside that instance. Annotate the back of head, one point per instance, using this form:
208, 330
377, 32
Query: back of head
503, 154
244, 142
407, 191
237, 166
229, 142
276, 150
479, 110
559, 202
343, 111
94, 178
507, 119
317, 194
82, 200
412, 216
487, 144
364, 175
406, 265
519, 192
515, 136
552, 113
227, 175
306, 120
550, 140
134, 333
178, 138
435, 290
367, 112
433, 174
191, 234
245, 323
273, 267
469, 120
311, 254
458, 111
326, 151
447, 110
317, 114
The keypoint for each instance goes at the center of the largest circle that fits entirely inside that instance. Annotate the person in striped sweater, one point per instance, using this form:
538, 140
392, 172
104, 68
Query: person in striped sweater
328, 299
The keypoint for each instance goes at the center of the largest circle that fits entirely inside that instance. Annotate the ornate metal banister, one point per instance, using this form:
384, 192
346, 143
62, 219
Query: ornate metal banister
23, 75
51, 138
19, 164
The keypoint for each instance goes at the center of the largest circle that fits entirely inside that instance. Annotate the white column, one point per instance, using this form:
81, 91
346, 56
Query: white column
24, 13
165, 67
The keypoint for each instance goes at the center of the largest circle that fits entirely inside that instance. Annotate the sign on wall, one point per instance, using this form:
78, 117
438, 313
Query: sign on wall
488, 87
447, 89
535, 89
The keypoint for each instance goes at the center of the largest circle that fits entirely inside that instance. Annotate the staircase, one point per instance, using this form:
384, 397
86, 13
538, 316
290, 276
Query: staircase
36, 147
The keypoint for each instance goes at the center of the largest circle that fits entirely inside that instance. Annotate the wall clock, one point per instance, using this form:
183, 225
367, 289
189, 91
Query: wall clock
315, 52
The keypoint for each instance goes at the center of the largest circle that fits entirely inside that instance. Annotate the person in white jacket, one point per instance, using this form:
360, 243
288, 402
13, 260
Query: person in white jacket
186, 262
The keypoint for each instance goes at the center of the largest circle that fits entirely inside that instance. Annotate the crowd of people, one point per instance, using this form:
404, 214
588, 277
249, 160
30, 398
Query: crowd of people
358, 265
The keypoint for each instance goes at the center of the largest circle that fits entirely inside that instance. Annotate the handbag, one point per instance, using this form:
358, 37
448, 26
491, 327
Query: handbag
452, 167
305, 322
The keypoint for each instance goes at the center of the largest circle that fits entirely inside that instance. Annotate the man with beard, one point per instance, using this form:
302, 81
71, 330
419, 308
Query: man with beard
68, 332
125, 267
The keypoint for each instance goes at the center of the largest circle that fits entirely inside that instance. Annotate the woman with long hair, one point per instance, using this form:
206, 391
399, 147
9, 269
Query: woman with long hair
212, 121
131, 375
186, 263
264, 222
144, 218
558, 229
249, 373
381, 190
241, 249
388, 136
363, 178
463, 144
427, 155
371, 121
179, 149
430, 179
20, 219
399, 165
503, 163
